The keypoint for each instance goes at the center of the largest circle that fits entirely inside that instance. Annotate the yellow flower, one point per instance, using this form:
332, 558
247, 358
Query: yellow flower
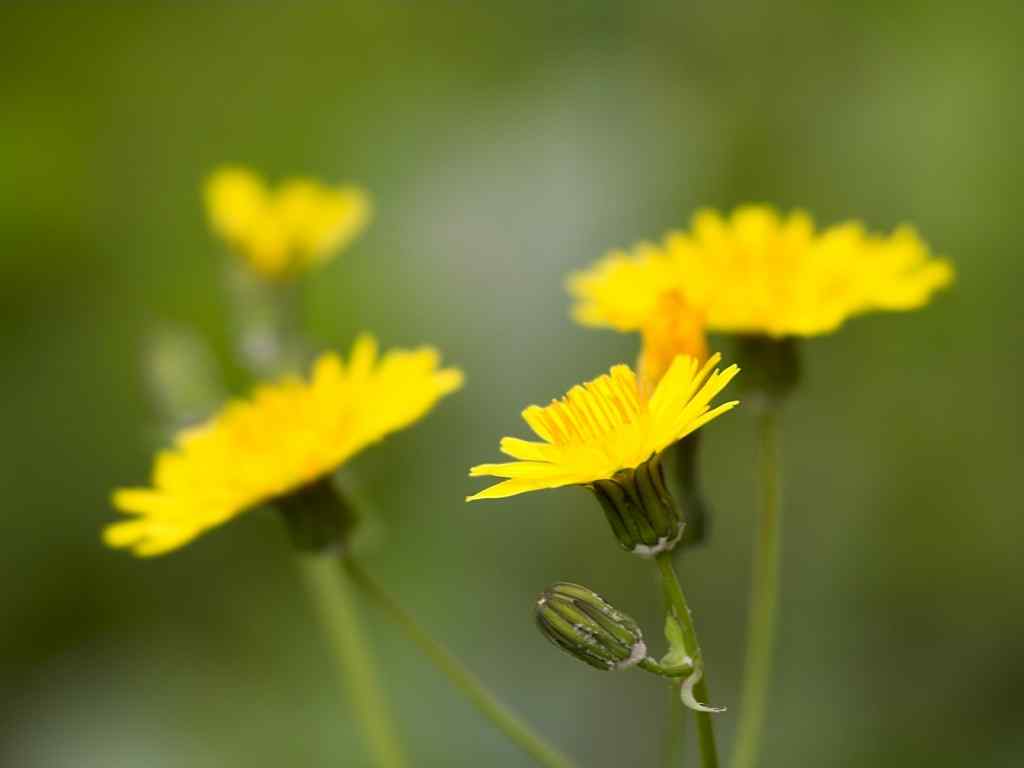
623, 290
757, 272
673, 329
607, 425
284, 437
283, 231
636, 292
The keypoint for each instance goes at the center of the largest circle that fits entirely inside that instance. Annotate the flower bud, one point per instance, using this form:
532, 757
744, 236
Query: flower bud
639, 508
581, 623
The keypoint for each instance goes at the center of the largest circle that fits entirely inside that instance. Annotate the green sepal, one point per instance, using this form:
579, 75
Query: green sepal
318, 516
771, 366
639, 508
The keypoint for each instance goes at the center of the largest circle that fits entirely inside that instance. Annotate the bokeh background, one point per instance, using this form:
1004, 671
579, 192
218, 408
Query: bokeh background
506, 144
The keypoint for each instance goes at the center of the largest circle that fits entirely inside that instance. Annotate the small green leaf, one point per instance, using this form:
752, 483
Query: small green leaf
676, 656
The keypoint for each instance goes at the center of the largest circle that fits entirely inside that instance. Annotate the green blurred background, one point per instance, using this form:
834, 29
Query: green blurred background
506, 144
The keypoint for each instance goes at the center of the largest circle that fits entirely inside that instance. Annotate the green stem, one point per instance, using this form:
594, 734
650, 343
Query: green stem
764, 596
657, 668
337, 613
676, 601
674, 731
467, 682
268, 323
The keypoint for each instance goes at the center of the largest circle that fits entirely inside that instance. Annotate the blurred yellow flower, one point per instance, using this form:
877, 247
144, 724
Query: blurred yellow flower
673, 329
283, 231
637, 292
286, 436
607, 425
757, 272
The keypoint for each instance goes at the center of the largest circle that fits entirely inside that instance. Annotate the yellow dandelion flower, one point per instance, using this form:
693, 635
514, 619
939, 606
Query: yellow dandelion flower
673, 329
623, 290
285, 437
283, 231
760, 273
635, 292
607, 425
608, 436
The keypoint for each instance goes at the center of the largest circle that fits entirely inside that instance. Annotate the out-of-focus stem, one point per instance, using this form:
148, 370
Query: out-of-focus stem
674, 729
764, 595
268, 323
465, 681
354, 663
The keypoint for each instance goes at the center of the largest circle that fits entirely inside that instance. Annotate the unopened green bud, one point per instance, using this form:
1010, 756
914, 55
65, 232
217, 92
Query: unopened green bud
640, 509
581, 623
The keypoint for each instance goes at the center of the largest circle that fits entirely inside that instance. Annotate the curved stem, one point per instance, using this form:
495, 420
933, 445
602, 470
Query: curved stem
676, 601
337, 613
468, 683
764, 596
656, 668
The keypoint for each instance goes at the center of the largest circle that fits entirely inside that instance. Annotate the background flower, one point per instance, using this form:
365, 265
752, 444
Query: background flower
282, 231
285, 436
756, 272
759, 272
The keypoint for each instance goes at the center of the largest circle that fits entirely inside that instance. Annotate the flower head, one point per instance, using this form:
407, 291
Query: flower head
674, 328
756, 272
607, 425
286, 436
283, 231
636, 292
